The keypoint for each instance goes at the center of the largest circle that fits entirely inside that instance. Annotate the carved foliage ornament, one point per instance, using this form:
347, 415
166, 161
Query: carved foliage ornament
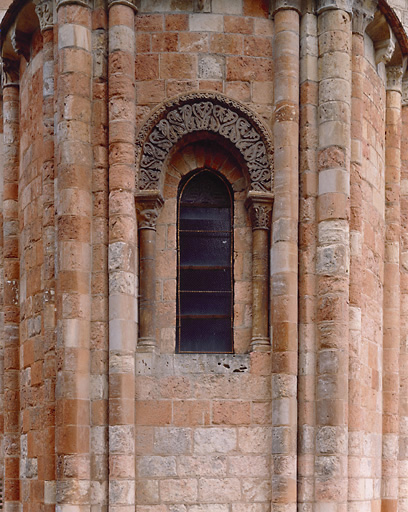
206, 112
261, 216
44, 11
148, 209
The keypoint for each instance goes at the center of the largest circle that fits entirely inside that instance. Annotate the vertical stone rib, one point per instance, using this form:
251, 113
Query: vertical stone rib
99, 280
403, 363
74, 209
122, 257
332, 263
356, 427
48, 224
307, 258
11, 298
284, 267
391, 311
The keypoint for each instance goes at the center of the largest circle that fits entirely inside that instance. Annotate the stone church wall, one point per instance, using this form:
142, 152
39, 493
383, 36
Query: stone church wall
98, 411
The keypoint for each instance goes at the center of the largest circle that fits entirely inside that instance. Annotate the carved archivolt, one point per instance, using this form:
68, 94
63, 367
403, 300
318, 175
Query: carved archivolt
204, 112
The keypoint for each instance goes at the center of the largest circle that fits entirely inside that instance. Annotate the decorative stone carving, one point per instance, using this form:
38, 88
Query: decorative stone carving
45, 13
148, 208
394, 78
11, 72
204, 112
260, 207
261, 216
360, 21
21, 43
404, 99
383, 38
128, 3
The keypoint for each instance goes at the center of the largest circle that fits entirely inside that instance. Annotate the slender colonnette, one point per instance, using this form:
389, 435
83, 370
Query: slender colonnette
11, 285
122, 255
99, 279
332, 263
74, 210
307, 255
44, 11
284, 268
391, 307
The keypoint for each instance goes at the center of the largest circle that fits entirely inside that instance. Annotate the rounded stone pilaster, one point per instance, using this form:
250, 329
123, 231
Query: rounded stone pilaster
284, 256
333, 256
123, 275
392, 289
11, 307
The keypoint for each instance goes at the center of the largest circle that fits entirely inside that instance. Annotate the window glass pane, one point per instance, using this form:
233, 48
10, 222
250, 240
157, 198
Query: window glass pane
206, 335
205, 248
212, 219
205, 279
204, 305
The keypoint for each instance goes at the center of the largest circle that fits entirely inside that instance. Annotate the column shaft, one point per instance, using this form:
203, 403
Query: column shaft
391, 311
49, 236
99, 279
74, 213
284, 267
11, 299
332, 264
122, 257
307, 258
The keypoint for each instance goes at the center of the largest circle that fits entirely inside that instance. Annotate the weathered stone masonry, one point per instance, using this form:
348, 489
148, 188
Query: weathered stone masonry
106, 108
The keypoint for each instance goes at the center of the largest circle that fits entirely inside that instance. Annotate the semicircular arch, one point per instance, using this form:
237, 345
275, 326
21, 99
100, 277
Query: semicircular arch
204, 112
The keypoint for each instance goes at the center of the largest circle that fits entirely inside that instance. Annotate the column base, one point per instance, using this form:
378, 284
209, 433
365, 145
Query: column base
147, 345
260, 344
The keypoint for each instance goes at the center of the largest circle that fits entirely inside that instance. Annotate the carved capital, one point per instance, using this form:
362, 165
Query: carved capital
129, 3
148, 206
260, 208
10, 72
279, 5
404, 98
45, 13
360, 21
394, 78
84, 3
21, 43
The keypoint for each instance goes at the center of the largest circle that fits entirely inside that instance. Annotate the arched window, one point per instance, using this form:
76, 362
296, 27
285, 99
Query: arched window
205, 264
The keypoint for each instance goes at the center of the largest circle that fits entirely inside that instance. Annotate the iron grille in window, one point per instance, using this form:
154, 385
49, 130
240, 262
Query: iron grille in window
205, 282
1, 494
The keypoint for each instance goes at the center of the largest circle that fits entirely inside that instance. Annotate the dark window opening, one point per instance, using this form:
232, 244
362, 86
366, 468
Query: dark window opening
204, 270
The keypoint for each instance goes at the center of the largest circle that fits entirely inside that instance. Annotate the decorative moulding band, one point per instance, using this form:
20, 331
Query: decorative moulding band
204, 112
